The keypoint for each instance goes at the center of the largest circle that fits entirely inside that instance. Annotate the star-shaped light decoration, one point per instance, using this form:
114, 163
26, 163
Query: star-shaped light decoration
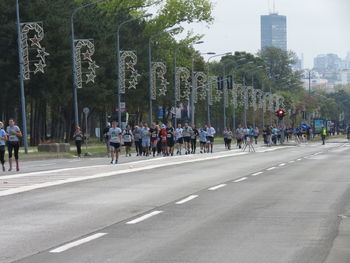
93, 66
132, 84
39, 67
42, 54
90, 77
130, 65
35, 41
87, 56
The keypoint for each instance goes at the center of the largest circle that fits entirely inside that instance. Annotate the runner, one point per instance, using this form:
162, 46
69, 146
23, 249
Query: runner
194, 136
256, 134
163, 135
115, 136
3, 139
146, 139
210, 133
78, 137
323, 135
245, 134
170, 138
179, 139
105, 136
14, 133
229, 136
154, 131
239, 136
187, 132
202, 140
224, 134
137, 140
127, 138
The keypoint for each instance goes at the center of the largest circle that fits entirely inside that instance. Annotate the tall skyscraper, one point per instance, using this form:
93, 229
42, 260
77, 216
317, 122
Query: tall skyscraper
274, 31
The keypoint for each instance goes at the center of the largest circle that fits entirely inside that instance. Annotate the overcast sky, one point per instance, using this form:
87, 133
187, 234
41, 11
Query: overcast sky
313, 26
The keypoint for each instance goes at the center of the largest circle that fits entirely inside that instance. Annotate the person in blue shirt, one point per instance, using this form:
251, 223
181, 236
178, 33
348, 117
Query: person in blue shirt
202, 140
3, 139
14, 134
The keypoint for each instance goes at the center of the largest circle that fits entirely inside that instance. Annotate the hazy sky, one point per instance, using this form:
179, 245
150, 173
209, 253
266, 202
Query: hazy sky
313, 26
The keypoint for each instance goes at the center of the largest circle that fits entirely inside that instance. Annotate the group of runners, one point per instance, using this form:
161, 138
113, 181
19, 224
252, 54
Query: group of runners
158, 140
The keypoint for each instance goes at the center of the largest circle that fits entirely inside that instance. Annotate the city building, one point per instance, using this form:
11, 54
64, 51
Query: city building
274, 31
328, 62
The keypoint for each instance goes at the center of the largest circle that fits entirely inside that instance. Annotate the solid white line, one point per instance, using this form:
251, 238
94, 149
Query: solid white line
77, 243
272, 168
144, 217
291, 162
240, 180
282, 164
191, 197
216, 187
258, 173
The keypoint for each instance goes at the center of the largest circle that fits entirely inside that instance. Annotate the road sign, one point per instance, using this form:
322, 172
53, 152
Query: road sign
86, 110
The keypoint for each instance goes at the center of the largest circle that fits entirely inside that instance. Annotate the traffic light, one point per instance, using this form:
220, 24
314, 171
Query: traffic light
229, 82
220, 83
281, 114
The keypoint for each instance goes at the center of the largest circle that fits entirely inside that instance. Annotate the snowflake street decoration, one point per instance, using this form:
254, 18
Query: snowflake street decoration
128, 60
182, 88
267, 102
211, 85
199, 89
158, 72
80, 57
35, 43
217, 95
278, 102
260, 97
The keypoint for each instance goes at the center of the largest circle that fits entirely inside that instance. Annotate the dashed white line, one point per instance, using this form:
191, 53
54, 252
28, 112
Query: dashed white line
216, 187
240, 180
191, 197
282, 164
291, 162
77, 243
258, 173
144, 217
272, 168
299, 159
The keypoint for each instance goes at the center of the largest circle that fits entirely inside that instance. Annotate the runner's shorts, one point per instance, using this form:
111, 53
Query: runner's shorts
187, 139
114, 146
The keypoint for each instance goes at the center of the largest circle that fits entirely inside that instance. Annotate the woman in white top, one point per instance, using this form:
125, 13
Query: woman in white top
3, 139
14, 134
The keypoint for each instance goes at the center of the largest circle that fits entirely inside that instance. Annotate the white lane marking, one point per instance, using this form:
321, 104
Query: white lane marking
291, 162
282, 164
299, 159
216, 187
240, 180
77, 243
191, 197
144, 217
272, 168
106, 174
258, 173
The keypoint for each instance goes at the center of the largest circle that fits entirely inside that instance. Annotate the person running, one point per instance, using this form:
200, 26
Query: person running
163, 135
14, 134
179, 139
210, 133
245, 134
105, 136
3, 139
194, 136
187, 132
115, 136
256, 134
146, 139
170, 138
228, 138
154, 130
202, 140
323, 135
127, 138
137, 140
239, 136
78, 137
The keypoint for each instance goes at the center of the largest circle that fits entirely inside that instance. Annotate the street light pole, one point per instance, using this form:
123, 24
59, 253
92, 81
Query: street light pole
118, 63
21, 80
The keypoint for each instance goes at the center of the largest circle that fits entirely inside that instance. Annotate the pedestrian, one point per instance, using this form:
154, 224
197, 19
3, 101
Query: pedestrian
137, 140
228, 138
14, 134
187, 131
78, 136
239, 136
146, 139
256, 134
115, 136
154, 130
202, 140
3, 139
179, 139
127, 138
170, 138
194, 136
105, 136
323, 135
163, 136
210, 133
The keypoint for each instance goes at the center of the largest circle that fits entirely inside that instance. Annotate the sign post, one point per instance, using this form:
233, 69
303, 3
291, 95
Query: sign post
86, 113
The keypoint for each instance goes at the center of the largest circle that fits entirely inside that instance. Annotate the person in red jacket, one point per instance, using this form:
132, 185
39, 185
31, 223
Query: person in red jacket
163, 135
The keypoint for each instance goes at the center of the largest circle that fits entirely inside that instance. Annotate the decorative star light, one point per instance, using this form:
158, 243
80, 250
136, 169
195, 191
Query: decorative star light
128, 60
90, 77
200, 78
39, 67
87, 56
42, 54
182, 88
93, 66
35, 41
158, 72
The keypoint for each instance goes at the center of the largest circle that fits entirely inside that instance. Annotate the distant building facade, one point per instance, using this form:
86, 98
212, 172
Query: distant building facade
274, 31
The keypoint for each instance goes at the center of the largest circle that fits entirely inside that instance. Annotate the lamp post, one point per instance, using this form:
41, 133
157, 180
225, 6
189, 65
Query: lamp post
150, 69
118, 62
21, 80
75, 92
208, 82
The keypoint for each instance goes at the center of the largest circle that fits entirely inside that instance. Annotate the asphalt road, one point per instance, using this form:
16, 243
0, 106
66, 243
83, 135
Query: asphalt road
283, 204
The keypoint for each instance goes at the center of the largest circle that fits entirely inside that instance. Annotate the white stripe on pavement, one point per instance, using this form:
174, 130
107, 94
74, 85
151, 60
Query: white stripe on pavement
144, 217
282, 164
291, 162
270, 169
77, 243
258, 173
240, 180
216, 187
191, 197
